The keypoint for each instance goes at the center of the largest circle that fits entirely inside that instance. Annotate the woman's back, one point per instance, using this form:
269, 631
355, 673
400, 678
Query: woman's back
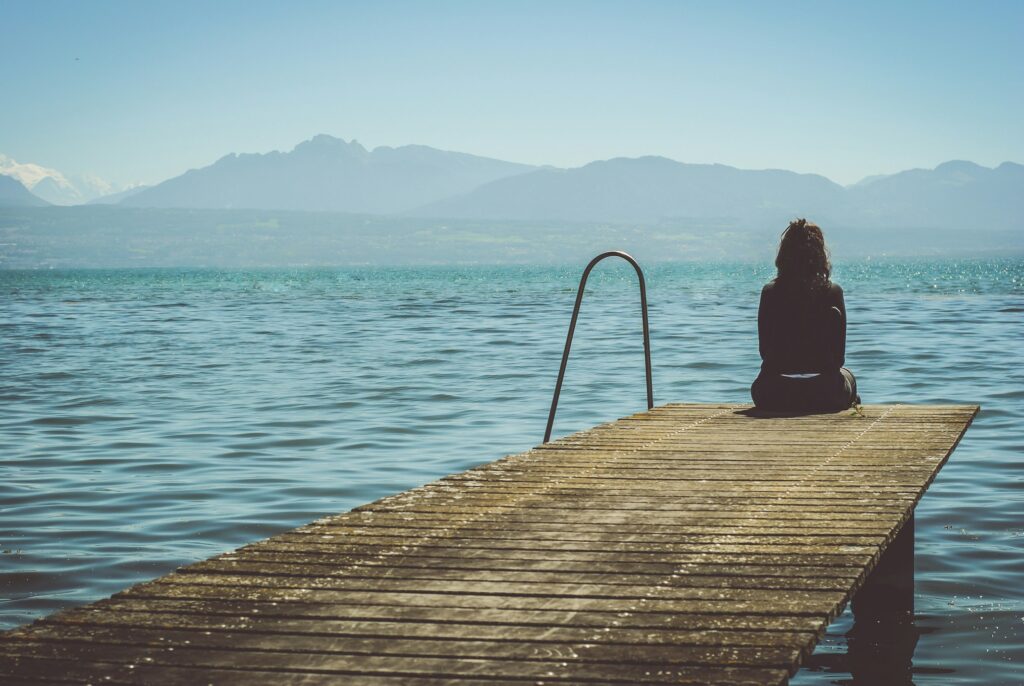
801, 331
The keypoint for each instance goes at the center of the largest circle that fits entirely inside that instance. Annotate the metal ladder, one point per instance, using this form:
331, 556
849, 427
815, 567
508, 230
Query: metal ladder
572, 328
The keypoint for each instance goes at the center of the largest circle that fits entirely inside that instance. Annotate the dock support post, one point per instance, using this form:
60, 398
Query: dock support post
882, 642
889, 589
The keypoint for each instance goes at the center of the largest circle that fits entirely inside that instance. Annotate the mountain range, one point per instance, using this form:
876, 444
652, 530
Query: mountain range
645, 190
332, 175
655, 189
328, 174
55, 187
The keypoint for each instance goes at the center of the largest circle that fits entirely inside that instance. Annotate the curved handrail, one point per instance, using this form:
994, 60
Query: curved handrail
572, 328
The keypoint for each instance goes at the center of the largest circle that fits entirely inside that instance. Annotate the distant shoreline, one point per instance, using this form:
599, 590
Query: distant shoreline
113, 237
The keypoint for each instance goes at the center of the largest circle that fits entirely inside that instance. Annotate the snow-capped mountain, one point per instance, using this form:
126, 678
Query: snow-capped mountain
55, 187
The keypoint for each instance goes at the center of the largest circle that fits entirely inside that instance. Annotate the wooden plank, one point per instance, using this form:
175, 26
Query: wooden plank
562, 568
141, 665
203, 618
266, 602
695, 544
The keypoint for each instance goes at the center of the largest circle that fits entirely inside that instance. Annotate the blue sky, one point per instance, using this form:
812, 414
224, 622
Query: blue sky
141, 91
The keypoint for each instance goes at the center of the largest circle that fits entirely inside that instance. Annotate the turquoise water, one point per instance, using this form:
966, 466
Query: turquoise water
154, 418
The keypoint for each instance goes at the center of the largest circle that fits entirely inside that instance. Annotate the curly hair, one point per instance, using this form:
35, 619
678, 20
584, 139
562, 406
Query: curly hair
803, 259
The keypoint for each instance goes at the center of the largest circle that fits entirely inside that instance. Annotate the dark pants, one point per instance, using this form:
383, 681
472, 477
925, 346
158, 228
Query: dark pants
829, 392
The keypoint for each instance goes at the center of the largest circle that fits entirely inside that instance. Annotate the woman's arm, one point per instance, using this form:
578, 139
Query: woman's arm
764, 332
840, 344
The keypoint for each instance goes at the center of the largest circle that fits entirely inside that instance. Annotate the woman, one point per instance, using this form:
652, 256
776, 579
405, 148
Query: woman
801, 326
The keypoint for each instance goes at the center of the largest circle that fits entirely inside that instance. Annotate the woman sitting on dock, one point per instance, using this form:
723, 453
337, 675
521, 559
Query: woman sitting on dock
801, 327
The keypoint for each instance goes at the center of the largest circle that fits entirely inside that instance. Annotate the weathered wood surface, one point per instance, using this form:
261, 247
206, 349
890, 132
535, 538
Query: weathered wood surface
692, 544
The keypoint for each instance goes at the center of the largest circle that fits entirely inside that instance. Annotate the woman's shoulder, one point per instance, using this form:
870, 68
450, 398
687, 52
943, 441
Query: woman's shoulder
834, 295
769, 292
774, 288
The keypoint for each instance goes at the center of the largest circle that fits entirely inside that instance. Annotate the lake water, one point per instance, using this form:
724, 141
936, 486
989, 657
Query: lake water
152, 418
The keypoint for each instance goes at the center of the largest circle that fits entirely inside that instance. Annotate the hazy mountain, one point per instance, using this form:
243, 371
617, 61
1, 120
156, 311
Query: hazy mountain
58, 191
954, 194
326, 173
330, 174
651, 189
115, 198
646, 189
14, 194
53, 186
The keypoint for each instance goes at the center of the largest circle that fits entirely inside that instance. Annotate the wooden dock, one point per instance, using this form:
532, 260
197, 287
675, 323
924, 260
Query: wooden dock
691, 544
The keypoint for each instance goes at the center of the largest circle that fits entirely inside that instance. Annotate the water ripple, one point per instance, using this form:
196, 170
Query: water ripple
157, 417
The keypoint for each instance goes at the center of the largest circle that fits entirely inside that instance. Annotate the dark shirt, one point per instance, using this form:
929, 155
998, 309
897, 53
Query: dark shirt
799, 331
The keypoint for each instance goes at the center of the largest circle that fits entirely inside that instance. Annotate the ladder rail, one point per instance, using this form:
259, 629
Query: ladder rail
572, 329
